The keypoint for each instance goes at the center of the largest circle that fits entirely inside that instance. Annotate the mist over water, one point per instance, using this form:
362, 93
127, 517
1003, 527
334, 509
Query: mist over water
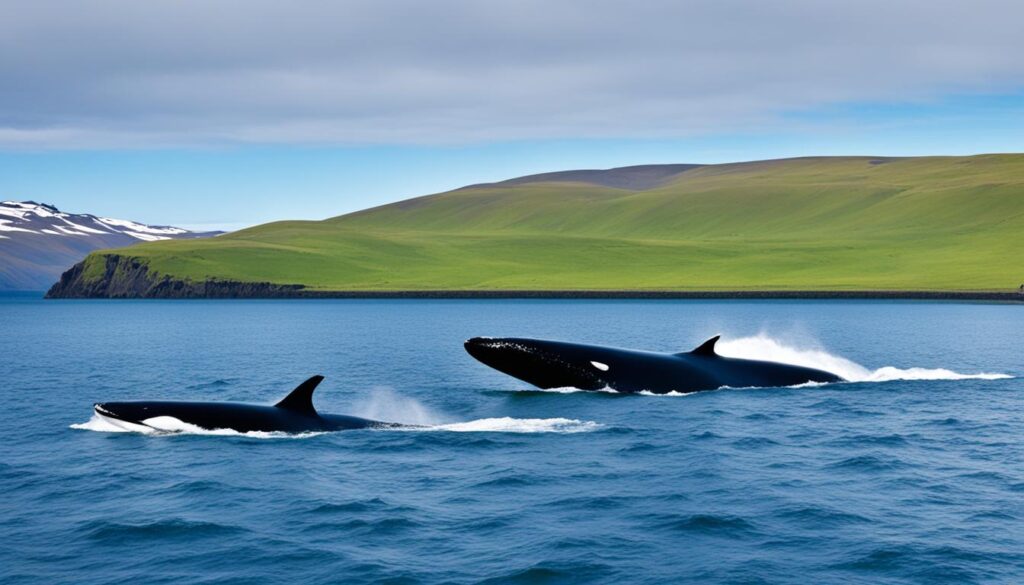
911, 474
386, 404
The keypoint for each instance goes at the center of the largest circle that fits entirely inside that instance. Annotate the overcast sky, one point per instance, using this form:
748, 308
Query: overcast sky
229, 108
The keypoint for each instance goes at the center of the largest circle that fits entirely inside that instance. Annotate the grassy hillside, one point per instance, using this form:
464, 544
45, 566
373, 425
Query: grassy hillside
934, 223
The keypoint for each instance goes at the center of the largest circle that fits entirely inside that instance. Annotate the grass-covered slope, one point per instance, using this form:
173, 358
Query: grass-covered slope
851, 223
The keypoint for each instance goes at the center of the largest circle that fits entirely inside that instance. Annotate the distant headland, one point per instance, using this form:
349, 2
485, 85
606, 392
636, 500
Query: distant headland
818, 227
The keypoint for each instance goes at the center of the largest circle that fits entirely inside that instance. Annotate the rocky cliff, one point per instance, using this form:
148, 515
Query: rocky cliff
113, 276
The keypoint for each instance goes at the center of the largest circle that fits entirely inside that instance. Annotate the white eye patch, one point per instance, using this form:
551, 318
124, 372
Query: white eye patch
600, 366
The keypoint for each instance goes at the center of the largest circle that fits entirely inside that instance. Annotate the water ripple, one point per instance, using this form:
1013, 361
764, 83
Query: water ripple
173, 529
910, 481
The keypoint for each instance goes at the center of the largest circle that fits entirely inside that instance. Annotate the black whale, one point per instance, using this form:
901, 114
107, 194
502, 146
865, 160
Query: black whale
557, 364
293, 414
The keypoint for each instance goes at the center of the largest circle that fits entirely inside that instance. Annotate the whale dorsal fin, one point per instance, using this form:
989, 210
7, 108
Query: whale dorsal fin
707, 348
301, 399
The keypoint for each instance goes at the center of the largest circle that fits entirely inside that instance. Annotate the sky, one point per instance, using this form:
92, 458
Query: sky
216, 115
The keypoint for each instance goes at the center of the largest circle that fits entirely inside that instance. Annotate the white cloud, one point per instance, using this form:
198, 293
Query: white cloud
135, 74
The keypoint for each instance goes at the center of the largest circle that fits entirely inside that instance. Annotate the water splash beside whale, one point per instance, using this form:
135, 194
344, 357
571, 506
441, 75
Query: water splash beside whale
765, 347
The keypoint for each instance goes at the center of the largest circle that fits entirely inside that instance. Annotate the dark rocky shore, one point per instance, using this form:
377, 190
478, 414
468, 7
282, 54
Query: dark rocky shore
128, 278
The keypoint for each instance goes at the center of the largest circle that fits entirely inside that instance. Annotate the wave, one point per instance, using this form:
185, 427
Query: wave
518, 425
166, 425
765, 347
672, 394
564, 390
385, 404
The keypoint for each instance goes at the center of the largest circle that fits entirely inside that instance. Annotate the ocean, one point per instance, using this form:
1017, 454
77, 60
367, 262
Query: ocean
912, 472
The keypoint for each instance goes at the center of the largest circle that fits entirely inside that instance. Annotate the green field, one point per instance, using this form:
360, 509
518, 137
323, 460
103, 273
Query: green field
850, 223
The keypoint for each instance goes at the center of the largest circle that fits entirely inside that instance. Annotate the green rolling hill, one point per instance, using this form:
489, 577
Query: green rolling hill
843, 223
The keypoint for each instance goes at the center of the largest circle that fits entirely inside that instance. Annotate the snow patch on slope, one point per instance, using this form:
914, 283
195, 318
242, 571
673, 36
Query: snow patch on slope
139, 228
40, 218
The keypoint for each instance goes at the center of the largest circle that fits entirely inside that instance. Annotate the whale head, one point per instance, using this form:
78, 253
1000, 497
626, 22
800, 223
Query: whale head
126, 415
547, 364
133, 412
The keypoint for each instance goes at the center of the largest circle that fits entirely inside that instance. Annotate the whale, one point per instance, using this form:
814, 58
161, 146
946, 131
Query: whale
292, 414
550, 364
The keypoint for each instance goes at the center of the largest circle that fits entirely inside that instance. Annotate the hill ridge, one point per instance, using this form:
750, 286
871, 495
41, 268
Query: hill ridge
810, 223
632, 177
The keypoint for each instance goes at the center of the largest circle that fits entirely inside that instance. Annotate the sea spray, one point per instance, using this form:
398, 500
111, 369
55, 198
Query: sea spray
384, 404
520, 425
765, 347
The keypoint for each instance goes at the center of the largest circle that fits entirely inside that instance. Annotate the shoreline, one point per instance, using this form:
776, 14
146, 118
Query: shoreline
1010, 297
121, 277
656, 294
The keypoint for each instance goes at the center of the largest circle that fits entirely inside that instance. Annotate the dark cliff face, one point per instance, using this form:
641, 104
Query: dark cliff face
124, 277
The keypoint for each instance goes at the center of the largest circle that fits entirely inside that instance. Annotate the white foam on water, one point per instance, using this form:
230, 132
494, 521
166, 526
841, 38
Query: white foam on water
765, 347
102, 424
168, 425
565, 390
672, 394
383, 404
517, 425
891, 373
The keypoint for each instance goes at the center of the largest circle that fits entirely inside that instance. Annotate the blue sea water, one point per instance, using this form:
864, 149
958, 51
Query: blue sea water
892, 479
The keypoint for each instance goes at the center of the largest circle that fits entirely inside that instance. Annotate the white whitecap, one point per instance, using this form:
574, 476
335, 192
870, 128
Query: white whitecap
566, 390
672, 394
169, 425
102, 424
518, 425
764, 347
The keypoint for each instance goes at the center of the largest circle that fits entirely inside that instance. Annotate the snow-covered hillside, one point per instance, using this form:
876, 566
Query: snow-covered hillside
40, 218
38, 241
